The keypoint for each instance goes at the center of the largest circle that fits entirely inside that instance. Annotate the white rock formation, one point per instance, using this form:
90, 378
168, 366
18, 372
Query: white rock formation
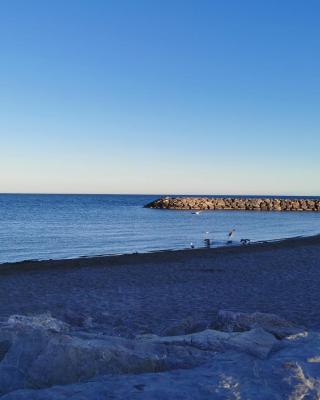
42, 359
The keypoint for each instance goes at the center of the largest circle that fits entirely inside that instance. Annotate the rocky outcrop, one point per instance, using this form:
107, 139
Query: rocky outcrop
259, 356
252, 204
231, 321
42, 321
36, 356
256, 342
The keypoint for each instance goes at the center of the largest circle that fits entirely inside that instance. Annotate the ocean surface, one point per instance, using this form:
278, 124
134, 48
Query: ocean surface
68, 226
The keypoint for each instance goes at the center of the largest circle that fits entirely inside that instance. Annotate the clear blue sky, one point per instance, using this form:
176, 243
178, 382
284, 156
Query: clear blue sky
170, 96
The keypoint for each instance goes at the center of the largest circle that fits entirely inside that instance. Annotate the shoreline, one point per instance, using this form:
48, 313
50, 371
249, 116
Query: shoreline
158, 255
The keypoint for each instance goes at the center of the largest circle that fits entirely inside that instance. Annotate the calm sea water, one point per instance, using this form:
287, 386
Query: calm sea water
66, 226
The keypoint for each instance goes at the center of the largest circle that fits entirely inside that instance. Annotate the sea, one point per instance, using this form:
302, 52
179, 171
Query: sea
42, 227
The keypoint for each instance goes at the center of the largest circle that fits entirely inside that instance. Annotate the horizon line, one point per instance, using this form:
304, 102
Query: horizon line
155, 194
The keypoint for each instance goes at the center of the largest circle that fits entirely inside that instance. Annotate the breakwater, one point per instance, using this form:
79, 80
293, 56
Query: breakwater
253, 204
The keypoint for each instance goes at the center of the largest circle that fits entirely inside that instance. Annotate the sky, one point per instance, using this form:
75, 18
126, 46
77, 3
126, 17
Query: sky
163, 97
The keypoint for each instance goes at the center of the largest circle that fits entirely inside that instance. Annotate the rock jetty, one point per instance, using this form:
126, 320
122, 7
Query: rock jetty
235, 203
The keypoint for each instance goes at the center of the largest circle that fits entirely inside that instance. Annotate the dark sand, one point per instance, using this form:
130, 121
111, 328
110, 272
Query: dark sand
141, 293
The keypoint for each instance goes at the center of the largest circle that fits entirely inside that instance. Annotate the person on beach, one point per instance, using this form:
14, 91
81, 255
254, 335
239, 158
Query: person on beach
230, 235
207, 240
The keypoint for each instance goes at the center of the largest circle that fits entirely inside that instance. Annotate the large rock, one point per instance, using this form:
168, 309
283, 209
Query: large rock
210, 364
35, 355
43, 321
185, 326
237, 321
256, 342
291, 373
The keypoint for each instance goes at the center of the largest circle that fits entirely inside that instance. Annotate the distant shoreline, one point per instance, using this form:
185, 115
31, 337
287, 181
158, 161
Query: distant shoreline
158, 256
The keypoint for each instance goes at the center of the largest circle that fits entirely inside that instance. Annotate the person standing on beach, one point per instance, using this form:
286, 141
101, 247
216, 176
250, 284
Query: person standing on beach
230, 235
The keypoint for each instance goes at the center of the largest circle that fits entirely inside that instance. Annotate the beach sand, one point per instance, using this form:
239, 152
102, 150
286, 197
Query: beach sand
147, 293
85, 325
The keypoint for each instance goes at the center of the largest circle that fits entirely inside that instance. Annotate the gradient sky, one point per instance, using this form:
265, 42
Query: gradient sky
217, 97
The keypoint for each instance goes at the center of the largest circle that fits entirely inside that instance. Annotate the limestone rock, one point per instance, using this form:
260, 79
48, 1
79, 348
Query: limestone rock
198, 366
291, 373
43, 321
35, 355
236, 322
187, 325
256, 342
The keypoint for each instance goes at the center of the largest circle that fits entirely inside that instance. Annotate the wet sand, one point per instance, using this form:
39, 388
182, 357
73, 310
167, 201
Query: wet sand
143, 293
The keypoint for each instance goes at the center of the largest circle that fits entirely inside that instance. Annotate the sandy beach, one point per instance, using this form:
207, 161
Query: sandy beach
225, 323
147, 293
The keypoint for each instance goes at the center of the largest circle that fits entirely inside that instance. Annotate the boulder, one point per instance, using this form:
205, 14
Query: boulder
256, 342
36, 356
210, 364
186, 326
43, 321
238, 322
